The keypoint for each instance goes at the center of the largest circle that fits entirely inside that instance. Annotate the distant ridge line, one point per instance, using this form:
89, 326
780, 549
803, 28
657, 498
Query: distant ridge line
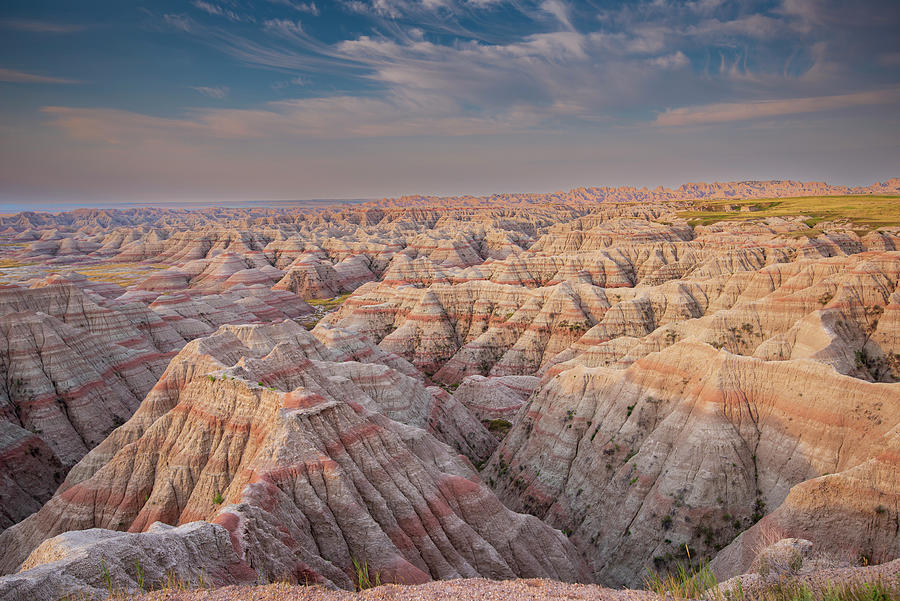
747, 189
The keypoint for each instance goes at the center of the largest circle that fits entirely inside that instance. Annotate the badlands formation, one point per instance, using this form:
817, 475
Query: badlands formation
582, 386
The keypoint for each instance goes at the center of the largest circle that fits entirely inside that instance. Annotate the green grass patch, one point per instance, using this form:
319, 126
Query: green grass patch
500, 427
684, 582
868, 212
329, 304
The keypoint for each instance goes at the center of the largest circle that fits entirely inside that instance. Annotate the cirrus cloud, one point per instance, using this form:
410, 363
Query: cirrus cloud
725, 112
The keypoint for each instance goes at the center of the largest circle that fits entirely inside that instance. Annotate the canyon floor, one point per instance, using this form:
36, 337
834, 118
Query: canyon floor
518, 396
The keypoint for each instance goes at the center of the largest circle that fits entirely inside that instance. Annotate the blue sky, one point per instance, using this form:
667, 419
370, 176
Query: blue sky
205, 100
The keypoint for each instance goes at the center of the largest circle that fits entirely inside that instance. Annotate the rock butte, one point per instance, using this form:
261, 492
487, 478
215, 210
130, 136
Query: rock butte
183, 391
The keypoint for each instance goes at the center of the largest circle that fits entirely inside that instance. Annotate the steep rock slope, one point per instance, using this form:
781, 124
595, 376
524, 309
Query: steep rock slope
310, 471
860, 507
690, 446
29, 473
73, 369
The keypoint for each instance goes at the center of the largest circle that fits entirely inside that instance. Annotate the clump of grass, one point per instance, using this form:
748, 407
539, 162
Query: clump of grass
107, 579
867, 591
685, 582
218, 499
363, 580
139, 575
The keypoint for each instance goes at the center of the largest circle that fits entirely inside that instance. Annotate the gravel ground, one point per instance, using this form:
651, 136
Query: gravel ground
476, 589
446, 590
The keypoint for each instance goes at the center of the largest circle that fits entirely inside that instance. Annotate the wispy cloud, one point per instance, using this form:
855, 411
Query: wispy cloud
303, 119
294, 81
744, 111
285, 26
213, 92
219, 11
13, 76
640, 57
676, 60
560, 11
40, 26
304, 7
179, 22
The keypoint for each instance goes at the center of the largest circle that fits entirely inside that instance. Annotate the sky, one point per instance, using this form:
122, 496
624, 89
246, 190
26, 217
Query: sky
250, 100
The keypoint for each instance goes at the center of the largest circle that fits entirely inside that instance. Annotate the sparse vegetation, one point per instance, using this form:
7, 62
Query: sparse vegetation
499, 427
328, 304
139, 575
218, 499
686, 581
798, 591
107, 579
868, 211
363, 580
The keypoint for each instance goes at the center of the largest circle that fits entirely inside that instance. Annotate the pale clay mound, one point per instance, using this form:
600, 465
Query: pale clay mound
667, 385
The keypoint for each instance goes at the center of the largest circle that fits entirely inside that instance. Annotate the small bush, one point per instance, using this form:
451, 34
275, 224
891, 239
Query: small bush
218, 499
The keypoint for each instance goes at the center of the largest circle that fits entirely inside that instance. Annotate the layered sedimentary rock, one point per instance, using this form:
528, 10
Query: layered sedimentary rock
692, 445
473, 328
495, 398
77, 358
310, 277
72, 369
29, 473
91, 563
263, 430
667, 382
857, 507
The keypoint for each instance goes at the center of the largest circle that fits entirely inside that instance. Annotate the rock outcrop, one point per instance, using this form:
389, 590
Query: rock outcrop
96, 562
692, 445
262, 430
